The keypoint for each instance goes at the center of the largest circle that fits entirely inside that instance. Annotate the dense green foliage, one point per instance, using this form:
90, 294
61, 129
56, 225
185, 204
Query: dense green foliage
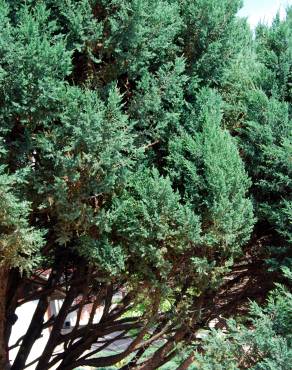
151, 142
19, 242
79, 148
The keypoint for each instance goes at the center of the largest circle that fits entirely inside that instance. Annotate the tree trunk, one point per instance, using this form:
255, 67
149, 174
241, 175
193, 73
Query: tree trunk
4, 360
159, 356
187, 362
35, 327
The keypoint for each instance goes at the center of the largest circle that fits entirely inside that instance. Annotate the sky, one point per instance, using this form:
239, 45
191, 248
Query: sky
263, 10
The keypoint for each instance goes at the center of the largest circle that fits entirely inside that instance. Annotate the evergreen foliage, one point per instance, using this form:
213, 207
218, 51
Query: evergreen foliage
145, 148
20, 243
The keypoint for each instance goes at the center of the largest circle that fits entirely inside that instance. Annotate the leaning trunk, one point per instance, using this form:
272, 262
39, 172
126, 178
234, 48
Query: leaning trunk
4, 361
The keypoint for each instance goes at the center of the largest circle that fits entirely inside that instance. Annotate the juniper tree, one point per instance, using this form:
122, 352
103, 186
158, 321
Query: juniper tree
266, 135
262, 340
123, 169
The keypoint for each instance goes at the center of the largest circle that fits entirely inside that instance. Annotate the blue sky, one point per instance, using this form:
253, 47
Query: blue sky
263, 10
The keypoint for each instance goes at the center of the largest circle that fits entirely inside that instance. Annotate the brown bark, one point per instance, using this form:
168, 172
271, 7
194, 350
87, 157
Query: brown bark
186, 363
56, 330
157, 359
4, 361
35, 328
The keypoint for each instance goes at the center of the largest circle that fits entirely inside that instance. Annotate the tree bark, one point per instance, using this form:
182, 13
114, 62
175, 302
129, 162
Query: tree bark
35, 328
187, 362
4, 360
157, 359
56, 330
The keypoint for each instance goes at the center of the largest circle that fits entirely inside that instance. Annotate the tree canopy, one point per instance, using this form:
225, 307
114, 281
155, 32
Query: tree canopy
145, 147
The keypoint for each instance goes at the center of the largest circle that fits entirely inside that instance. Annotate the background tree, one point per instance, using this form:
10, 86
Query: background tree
136, 152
